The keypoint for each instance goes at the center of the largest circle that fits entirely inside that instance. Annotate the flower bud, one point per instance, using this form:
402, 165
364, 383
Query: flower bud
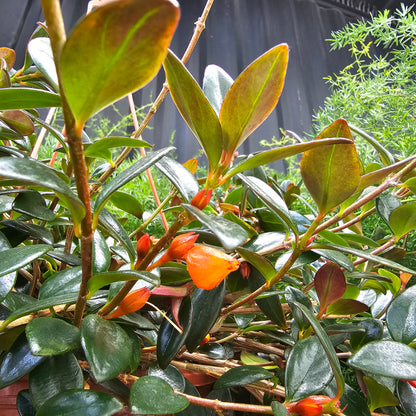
314, 406
132, 302
209, 266
143, 246
202, 198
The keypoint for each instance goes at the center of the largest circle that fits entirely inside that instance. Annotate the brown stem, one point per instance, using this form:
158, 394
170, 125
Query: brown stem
199, 27
378, 250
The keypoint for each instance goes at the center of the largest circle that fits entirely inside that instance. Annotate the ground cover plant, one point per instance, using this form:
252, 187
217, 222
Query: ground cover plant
255, 306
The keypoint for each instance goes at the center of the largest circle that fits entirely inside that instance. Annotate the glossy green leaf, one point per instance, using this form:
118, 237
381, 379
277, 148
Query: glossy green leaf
192, 409
80, 402
52, 336
242, 375
374, 330
114, 51
32, 203
216, 84
152, 395
378, 395
64, 282
230, 234
194, 108
107, 356
35, 306
24, 403
124, 177
403, 219
99, 280
117, 231
270, 156
30, 172
40, 51
29, 230
25, 98
265, 242
18, 362
18, 121
293, 295
253, 96
271, 198
100, 148
8, 280
394, 284
386, 358
346, 307
303, 376
54, 375
15, 258
323, 169
206, 307
169, 340
401, 316
181, 177
259, 262
407, 397
326, 344
170, 374
330, 285
127, 203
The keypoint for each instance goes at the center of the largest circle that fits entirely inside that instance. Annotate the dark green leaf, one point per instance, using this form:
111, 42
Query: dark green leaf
18, 362
30, 172
271, 198
293, 295
206, 306
181, 177
25, 98
54, 375
101, 254
195, 108
51, 336
80, 402
107, 355
152, 395
66, 281
386, 358
401, 316
114, 51
279, 409
374, 329
24, 403
169, 340
32, 203
170, 374
192, 409
7, 281
385, 205
242, 375
229, 233
126, 176
127, 203
304, 376
32, 231
407, 397
259, 262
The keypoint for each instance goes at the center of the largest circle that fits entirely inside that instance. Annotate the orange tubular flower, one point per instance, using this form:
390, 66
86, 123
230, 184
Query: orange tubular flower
314, 406
143, 247
177, 250
134, 301
202, 198
208, 266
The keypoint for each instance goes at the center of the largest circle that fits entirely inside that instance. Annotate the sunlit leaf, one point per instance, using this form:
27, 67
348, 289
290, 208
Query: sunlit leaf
26, 98
324, 169
115, 50
18, 121
253, 96
402, 220
239, 376
195, 108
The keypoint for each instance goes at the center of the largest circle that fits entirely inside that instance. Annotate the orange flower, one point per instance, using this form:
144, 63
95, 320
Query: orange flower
209, 266
314, 406
202, 198
134, 301
177, 250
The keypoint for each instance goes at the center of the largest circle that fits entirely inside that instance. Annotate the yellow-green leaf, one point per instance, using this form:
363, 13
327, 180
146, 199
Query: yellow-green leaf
331, 173
403, 219
115, 50
253, 96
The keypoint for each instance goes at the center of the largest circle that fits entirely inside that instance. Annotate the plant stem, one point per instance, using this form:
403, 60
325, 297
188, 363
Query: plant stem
56, 30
